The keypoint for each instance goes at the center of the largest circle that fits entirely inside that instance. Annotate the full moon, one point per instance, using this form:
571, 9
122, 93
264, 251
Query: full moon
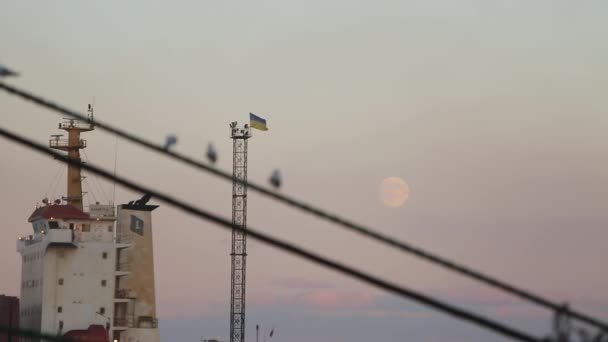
394, 191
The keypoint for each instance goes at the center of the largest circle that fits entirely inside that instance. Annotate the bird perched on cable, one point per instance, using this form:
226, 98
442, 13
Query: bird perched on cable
170, 141
211, 153
4, 72
275, 179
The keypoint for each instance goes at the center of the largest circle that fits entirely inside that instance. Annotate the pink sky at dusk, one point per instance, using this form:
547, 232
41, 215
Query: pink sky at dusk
493, 112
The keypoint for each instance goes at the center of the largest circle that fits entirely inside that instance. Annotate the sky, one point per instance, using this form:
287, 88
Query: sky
492, 111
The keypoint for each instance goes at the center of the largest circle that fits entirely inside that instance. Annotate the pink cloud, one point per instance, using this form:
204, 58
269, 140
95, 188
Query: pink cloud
316, 297
333, 299
323, 299
312, 296
264, 298
300, 283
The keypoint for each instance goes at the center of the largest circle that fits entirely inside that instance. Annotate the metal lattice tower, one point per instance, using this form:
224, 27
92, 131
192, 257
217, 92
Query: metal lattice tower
239, 238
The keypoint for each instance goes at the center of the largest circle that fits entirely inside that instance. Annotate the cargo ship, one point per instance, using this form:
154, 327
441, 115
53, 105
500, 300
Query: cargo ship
88, 273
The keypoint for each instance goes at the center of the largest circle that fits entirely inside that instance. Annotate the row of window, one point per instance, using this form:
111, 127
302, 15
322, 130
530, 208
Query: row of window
103, 282
26, 284
32, 256
102, 310
31, 310
39, 255
37, 310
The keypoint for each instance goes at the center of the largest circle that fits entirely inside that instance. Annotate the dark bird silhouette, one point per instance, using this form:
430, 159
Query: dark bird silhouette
275, 179
4, 72
211, 153
170, 141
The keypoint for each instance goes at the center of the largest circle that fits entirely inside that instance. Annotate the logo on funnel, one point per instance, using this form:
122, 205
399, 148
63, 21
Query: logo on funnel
137, 225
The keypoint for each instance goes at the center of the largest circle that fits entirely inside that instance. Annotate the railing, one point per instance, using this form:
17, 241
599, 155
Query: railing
61, 235
76, 124
124, 238
124, 267
142, 322
65, 143
125, 294
147, 322
29, 240
124, 321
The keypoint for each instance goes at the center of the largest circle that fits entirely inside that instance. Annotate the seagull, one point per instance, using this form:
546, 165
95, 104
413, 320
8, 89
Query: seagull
170, 141
275, 179
211, 153
4, 72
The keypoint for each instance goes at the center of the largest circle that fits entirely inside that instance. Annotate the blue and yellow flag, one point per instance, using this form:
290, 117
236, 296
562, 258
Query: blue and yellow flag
257, 122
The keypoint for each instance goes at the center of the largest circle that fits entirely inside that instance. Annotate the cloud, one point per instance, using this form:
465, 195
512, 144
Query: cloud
332, 299
310, 295
304, 297
307, 310
316, 301
300, 283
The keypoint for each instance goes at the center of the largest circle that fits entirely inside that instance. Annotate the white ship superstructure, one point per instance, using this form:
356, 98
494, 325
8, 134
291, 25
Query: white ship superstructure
88, 274
68, 270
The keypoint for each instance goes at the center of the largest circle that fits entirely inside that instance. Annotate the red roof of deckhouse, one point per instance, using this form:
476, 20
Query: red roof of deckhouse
55, 211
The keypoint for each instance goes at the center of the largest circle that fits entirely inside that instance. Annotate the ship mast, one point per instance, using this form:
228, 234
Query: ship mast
72, 145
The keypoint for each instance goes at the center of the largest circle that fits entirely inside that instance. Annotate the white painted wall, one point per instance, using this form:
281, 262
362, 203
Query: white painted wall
30, 305
81, 266
82, 295
76, 257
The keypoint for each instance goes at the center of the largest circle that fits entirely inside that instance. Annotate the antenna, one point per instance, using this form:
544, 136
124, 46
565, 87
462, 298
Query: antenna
115, 162
90, 111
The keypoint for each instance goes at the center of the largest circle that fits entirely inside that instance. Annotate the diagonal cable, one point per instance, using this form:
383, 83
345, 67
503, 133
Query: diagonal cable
345, 223
285, 246
54, 180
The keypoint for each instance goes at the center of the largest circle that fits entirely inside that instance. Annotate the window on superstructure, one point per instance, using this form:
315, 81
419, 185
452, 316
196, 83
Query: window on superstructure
59, 309
53, 224
102, 310
60, 281
71, 226
103, 283
104, 255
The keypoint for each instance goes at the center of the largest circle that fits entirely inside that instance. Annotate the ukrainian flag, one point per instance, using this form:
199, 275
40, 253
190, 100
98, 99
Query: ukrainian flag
257, 122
